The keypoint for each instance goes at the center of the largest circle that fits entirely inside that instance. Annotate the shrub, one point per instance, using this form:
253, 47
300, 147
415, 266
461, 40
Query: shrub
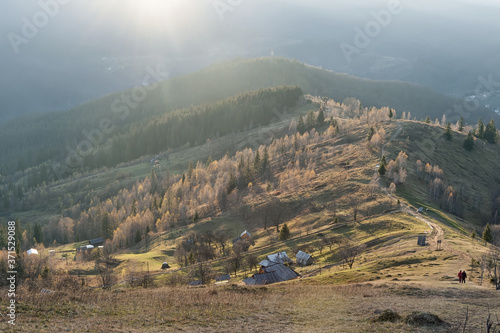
388, 315
417, 318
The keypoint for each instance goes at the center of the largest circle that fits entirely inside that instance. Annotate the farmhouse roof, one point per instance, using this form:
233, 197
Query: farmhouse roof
265, 263
225, 277
246, 233
283, 272
96, 241
194, 283
302, 257
261, 279
272, 274
279, 258
32, 251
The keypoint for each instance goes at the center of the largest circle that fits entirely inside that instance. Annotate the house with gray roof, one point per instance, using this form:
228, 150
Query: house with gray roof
272, 274
276, 258
304, 259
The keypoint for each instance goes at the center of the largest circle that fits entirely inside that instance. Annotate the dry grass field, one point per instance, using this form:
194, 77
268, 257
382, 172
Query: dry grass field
289, 307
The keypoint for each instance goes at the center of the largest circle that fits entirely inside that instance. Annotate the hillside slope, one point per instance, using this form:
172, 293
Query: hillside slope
29, 141
472, 175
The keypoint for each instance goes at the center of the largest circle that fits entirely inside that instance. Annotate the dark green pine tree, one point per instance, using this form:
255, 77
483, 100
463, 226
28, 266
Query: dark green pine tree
447, 132
232, 183
391, 114
490, 134
301, 126
469, 141
190, 169
284, 233
137, 237
428, 120
155, 188
480, 129
265, 161
461, 124
248, 172
487, 234
106, 228
321, 117
18, 235
382, 168
256, 162
310, 120
370, 134
383, 161
37, 233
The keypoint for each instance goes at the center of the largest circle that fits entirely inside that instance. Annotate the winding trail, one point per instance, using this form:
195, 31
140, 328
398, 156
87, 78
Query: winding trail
436, 232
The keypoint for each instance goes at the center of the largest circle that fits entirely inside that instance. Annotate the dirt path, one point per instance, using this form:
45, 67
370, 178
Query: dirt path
436, 233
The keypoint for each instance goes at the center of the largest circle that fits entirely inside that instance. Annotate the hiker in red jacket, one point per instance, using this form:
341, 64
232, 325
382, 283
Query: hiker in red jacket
464, 276
460, 277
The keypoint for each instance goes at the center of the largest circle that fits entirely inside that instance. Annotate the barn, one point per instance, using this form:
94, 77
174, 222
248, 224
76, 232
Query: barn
304, 259
272, 274
276, 258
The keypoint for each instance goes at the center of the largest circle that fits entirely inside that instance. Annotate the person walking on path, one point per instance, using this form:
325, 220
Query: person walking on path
464, 276
460, 277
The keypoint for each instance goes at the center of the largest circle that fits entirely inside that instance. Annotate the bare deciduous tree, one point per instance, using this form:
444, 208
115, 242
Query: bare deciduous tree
203, 272
104, 265
234, 262
221, 237
252, 261
274, 212
349, 252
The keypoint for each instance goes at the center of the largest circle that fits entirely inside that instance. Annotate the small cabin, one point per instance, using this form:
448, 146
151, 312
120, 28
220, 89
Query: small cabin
222, 279
32, 251
96, 241
245, 235
276, 258
194, 283
422, 240
272, 274
304, 259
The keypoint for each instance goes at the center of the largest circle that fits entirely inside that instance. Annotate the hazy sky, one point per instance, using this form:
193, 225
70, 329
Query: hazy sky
87, 48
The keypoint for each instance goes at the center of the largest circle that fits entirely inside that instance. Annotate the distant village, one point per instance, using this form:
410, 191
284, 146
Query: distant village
276, 267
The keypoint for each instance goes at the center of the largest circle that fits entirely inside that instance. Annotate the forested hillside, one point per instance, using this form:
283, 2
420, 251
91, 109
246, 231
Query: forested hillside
30, 141
106, 146
329, 157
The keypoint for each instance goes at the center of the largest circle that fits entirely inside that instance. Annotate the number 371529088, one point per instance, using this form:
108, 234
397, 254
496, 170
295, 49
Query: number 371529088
11, 238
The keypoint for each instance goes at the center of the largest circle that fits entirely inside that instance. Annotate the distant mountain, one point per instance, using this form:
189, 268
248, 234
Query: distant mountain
446, 46
31, 140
